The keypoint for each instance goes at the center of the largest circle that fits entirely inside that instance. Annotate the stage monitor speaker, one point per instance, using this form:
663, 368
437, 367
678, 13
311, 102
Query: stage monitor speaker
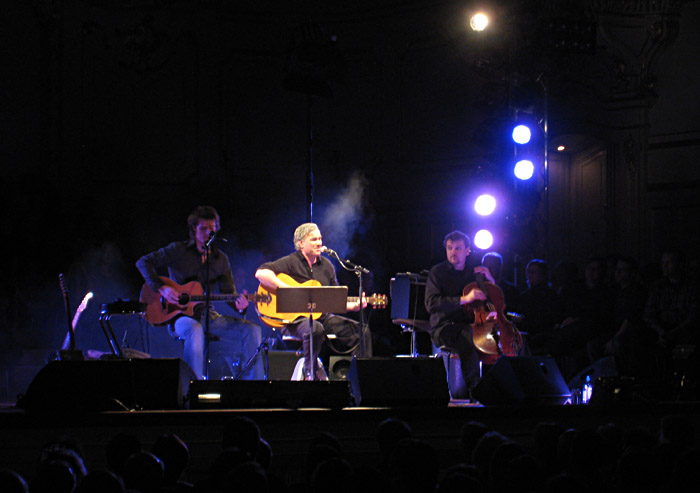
90, 386
246, 394
338, 367
408, 297
522, 381
387, 382
282, 364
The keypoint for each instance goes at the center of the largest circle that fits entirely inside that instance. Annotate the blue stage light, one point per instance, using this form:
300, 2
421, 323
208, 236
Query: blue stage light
524, 169
483, 239
521, 134
485, 204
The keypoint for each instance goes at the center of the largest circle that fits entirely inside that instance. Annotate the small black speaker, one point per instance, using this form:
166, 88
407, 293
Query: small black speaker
522, 381
390, 382
338, 367
81, 387
282, 364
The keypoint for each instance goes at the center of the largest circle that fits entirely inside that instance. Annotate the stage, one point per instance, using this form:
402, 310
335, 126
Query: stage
91, 401
288, 431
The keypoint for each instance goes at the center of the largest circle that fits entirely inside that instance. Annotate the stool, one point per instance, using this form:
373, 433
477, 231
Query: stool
118, 307
288, 341
298, 373
410, 325
295, 341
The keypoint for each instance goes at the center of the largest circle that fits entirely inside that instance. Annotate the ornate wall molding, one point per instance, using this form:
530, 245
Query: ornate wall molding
632, 34
644, 7
631, 150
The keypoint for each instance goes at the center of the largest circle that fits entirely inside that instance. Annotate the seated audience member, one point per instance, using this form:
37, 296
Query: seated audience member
12, 482
540, 307
586, 308
627, 339
672, 306
101, 481
493, 261
175, 455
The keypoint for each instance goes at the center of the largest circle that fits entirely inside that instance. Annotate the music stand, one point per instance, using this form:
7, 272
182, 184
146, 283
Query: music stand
312, 299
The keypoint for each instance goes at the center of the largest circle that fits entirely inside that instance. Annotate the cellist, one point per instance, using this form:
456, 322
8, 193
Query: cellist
445, 299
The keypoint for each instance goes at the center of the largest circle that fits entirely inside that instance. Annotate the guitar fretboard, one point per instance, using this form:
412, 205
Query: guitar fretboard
215, 297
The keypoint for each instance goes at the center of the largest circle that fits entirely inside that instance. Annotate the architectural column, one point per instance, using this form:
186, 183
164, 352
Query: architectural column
631, 36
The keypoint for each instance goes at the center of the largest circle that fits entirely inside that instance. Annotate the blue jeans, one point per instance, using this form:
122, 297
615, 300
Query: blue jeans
237, 341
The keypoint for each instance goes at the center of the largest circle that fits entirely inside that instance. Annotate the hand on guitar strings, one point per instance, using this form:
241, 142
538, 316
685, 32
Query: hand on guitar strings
171, 294
354, 306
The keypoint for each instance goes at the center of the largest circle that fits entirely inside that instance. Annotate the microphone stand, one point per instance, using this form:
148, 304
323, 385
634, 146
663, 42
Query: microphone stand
359, 270
207, 298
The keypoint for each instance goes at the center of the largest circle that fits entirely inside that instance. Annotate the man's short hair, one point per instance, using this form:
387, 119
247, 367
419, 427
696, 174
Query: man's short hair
457, 235
539, 263
202, 212
302, 232
494, 255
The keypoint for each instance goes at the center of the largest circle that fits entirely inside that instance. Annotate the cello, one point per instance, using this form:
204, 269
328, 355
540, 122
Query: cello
493, 337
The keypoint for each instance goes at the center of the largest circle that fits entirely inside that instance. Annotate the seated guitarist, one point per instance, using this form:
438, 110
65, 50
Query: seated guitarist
185, 261
445, 302
303, 265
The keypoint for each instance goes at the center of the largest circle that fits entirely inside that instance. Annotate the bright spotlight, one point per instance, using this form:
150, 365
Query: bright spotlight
521, 134
479, 21
483, 239
485, 204
524, 169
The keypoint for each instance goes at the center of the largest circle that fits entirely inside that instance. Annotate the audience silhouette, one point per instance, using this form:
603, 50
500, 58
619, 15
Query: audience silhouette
606, 457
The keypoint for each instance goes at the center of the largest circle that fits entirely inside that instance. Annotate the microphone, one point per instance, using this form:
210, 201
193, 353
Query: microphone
213, 235
325, 249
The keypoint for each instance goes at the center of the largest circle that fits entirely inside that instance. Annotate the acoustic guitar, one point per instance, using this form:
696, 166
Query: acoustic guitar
160, 311
271, 317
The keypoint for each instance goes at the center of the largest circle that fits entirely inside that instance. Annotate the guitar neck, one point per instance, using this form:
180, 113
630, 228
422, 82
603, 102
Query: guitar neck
253, 297
372, 300
214, 297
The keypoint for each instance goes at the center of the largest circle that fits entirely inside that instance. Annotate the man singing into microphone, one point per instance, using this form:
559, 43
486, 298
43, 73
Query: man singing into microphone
304, 264
232, 339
